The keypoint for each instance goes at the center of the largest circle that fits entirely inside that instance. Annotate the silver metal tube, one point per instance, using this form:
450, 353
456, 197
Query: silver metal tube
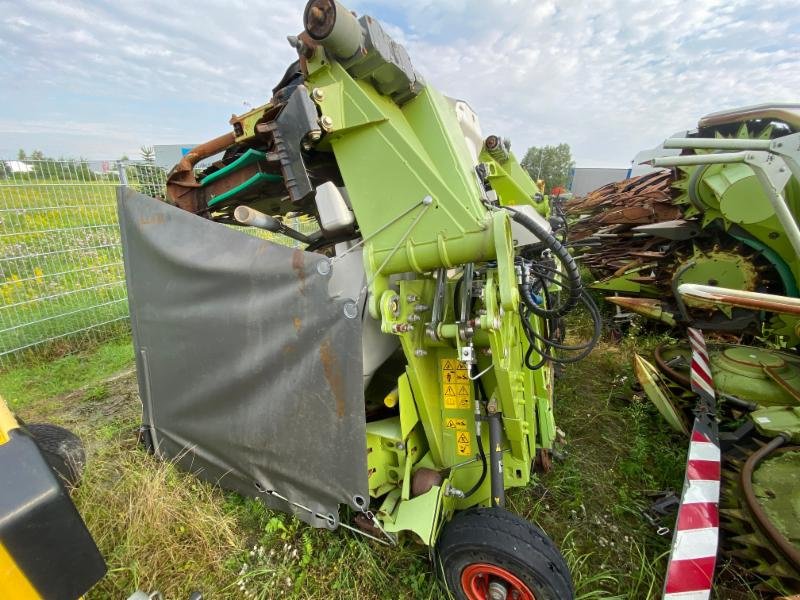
740, 298
781, 210
717, 144
254, 218
699, 159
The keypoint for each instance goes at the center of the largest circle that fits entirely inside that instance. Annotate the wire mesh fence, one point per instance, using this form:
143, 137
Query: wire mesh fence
62, 280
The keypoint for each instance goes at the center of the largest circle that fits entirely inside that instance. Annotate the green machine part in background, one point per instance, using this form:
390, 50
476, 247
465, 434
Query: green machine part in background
465, 284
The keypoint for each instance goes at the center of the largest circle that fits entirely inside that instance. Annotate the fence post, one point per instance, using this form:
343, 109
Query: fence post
123, 175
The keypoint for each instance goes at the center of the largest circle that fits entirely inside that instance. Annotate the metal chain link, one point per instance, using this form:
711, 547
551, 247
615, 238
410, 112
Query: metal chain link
392, 541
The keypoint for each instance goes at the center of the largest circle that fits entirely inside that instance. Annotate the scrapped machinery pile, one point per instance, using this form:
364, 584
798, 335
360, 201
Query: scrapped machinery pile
401, 365
713, 243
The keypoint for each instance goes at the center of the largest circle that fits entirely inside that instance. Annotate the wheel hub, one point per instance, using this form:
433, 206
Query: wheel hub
481, 581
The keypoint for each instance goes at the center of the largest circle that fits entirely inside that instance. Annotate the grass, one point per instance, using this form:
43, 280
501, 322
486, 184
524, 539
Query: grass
62, 281
61, 266
40, 381
162, 529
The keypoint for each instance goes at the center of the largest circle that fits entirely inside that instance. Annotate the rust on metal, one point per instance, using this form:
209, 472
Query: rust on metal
299, 266
788, 113
182, 183
703, 294
423, 480
790, 553
333, 375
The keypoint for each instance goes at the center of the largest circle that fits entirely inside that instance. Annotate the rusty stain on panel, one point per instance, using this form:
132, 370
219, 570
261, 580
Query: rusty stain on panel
333, 375
299, 266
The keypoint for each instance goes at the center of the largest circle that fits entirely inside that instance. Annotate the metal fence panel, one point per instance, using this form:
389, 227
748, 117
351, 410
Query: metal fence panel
62, 283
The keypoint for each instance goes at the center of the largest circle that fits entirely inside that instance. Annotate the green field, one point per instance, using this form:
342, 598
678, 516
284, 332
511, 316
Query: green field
62, 281
161, 529
61, 275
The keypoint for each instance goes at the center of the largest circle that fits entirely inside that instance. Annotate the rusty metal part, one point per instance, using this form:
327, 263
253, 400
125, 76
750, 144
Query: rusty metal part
786, 548
423, 480
364, 523
543, 461
182, 183
320, 18
667, 370
740, 298
790, 113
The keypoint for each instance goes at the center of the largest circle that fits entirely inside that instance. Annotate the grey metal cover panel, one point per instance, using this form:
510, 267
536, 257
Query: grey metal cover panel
249, 371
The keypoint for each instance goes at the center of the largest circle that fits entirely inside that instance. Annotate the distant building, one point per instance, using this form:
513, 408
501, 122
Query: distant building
587, 179
17, 166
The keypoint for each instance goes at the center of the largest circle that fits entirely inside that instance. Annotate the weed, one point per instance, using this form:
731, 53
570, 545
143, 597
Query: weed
162, 529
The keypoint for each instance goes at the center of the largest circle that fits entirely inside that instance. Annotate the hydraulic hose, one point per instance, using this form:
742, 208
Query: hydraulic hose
784, 546
573, 275
481, 393
496, 459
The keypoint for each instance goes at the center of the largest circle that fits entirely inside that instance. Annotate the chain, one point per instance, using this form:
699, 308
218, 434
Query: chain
331, 520
426, 201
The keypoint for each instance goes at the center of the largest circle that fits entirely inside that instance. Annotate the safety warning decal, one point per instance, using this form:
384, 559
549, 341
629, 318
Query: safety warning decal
455, 384
455, 423
463, 444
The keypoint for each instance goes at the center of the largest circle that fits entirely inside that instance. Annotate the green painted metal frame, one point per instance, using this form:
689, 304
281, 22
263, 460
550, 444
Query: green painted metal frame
412, 186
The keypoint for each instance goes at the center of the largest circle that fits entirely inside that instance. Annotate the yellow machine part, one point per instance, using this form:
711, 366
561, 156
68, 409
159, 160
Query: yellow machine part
45, 549
13, 583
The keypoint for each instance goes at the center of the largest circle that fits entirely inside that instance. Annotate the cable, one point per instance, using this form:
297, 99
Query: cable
481, 392
547, 344
573, 274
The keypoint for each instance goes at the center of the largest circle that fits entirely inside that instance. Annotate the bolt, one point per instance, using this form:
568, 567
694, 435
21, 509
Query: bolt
411, 298
317, 94
427, 200
401, 327
419, 352
421, 308
323, 267
350, 309
412, 318
326, 122
400, 446
497, 591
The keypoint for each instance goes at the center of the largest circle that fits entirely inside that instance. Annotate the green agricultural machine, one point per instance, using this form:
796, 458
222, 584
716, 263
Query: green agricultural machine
709, 220
715, 244
392, 372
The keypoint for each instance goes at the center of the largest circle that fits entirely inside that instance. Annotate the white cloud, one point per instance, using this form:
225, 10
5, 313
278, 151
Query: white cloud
609, 77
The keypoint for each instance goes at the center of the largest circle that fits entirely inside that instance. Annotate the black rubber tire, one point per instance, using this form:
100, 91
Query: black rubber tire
62, 449
498, 537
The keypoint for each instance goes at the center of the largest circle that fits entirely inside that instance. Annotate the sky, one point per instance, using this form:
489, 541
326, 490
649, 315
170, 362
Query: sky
609, 77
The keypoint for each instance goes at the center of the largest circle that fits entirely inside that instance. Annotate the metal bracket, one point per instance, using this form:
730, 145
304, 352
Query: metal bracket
768, 160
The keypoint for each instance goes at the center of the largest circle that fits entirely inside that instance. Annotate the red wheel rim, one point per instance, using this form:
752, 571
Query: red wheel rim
475, 580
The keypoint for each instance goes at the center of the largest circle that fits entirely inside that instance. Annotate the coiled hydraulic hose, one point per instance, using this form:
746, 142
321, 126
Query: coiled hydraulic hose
784, 546
571, 271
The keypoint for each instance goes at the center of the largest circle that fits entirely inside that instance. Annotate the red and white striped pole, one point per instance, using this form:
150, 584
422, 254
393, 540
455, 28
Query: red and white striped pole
694, 544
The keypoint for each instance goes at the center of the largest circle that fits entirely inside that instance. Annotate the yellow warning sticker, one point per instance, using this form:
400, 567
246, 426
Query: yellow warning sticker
455, 423
455, 384
463, 444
